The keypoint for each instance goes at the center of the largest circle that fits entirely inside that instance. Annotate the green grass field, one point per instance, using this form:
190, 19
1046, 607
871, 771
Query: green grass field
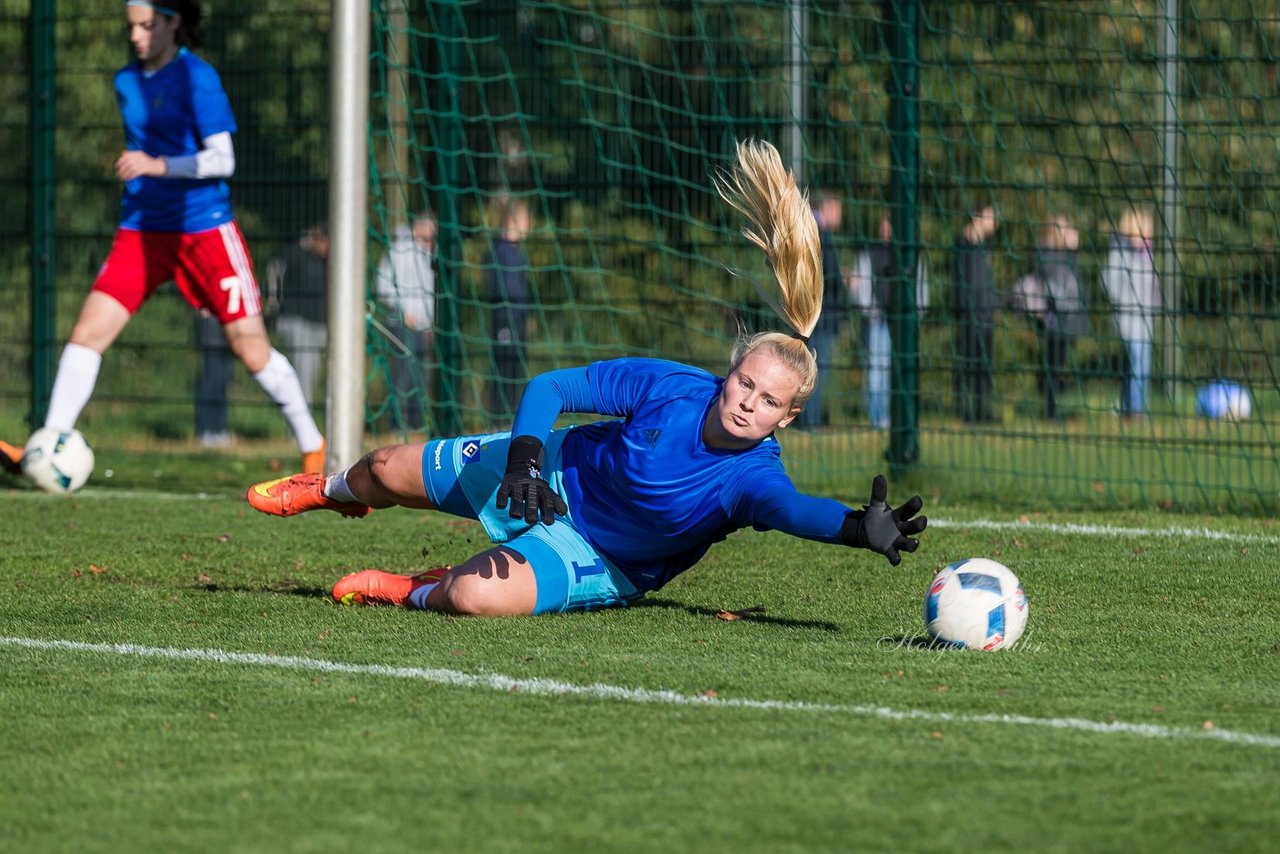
176, 678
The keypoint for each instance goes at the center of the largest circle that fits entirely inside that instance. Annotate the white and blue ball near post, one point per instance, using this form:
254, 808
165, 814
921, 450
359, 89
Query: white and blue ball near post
975, 603
1223, 400
57, 461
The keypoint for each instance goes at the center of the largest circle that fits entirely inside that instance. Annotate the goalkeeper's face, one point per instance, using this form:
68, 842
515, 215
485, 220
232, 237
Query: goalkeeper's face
756, 399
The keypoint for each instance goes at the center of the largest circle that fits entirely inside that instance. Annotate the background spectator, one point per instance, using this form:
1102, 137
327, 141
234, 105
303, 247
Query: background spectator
216, 365
829, 213
296, 282
511, 301
1130, 281
406, 287
871, 289
973, 310
1050, 295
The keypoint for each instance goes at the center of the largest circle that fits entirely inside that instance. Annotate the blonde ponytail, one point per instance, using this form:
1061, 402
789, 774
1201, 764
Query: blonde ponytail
780, 222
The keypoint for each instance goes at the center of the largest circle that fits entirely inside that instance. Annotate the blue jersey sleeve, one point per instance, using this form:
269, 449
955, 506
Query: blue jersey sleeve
546, 396
613, 387
209, 102
773, 503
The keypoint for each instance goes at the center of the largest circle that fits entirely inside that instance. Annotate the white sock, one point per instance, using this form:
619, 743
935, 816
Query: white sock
73, 386
280, 381
418, 598
335, 487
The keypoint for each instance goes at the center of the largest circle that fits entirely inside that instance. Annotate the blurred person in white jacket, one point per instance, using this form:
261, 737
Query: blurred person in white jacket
406, 287
1130, 281
871, 290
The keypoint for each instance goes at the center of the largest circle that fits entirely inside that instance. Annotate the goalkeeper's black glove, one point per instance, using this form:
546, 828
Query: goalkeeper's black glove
882, 529
523, 483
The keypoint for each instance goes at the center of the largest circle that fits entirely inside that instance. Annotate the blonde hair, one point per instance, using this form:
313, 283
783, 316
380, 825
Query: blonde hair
780, 222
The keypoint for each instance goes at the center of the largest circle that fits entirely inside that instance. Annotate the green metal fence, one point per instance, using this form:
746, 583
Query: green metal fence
607, 119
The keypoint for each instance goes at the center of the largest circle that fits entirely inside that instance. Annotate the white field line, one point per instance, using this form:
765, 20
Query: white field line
1104, 530
98, 492
597, 691
934, 522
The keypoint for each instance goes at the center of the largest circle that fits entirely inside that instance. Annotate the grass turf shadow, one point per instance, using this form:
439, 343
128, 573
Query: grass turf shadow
289, 587
285, 587
697, 611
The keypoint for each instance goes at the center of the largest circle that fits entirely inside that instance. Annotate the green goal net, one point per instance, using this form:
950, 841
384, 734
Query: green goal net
1132, 148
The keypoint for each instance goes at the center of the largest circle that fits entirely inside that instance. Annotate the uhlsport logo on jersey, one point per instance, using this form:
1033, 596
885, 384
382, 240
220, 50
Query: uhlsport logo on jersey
470, 451
651, 437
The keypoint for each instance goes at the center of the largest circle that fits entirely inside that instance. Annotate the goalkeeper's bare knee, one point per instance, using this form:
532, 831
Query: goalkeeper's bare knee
391, 475
495, 583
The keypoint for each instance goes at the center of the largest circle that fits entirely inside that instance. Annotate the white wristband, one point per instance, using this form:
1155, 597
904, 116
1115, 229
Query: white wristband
217, 159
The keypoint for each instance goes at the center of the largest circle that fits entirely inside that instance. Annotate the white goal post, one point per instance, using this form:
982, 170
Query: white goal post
348, 227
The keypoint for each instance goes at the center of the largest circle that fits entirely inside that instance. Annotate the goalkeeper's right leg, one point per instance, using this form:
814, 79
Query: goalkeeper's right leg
390, 476
299, 493
375, 587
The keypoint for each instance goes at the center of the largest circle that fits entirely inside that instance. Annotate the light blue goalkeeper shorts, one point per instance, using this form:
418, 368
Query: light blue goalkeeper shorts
461, 477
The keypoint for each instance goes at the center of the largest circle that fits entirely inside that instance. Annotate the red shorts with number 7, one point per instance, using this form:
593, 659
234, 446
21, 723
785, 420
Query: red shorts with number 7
212, 269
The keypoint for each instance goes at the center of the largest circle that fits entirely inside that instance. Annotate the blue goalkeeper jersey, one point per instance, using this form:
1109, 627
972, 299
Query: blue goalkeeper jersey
168, 114
646, 491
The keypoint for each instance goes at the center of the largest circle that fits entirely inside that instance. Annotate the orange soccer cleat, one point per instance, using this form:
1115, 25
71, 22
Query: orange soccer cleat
375, 587
298, 493
11, 458
313, 461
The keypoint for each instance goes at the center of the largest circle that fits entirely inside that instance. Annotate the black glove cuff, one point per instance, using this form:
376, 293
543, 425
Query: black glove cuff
526, 451
851, 531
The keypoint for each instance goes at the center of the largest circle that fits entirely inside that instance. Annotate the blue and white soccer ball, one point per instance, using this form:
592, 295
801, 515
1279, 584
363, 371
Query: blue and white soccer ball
1223, 400
57, 461
975, 603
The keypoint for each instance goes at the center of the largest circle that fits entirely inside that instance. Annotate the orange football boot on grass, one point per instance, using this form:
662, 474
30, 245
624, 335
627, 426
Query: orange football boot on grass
11, 458
298, 493
375, 587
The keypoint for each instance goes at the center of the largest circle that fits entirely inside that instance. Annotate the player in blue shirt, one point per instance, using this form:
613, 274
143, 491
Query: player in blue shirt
176, 223
603, 513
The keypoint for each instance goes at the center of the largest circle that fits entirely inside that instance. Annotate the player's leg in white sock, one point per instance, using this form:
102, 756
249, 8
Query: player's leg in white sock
418, 596
102, 318
73, 386
335, 487
279, 380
